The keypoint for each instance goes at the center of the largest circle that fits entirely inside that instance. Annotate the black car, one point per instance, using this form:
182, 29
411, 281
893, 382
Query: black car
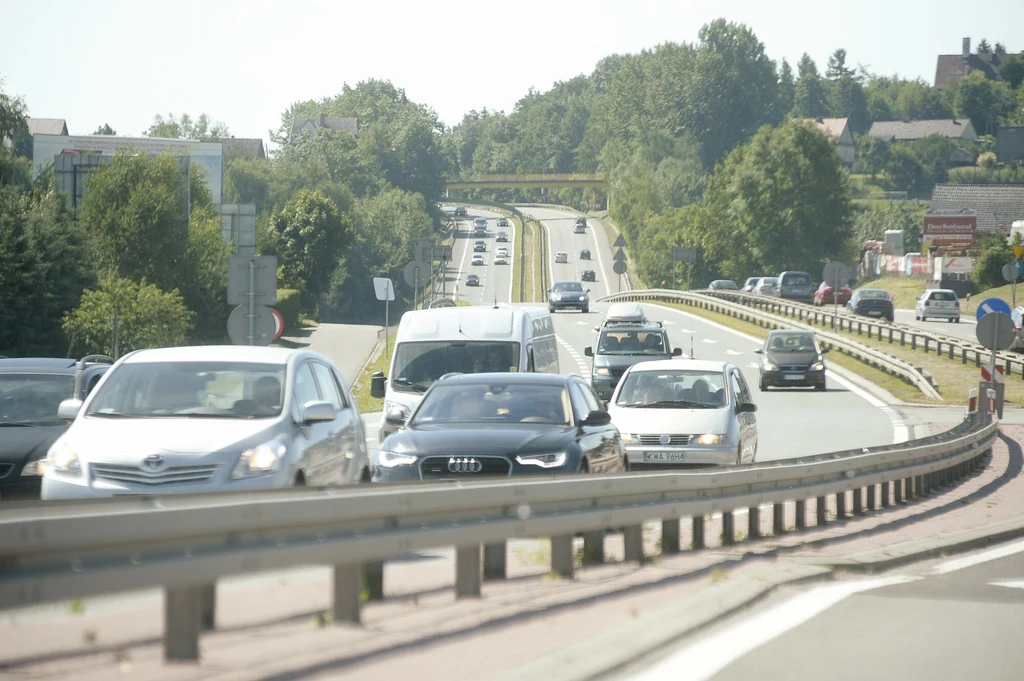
872, 302
791, 357
585, 254
480, 246
472, 280
31, 390
502, 222
460, 211
472, 426
588, 275
501, 236
568, 295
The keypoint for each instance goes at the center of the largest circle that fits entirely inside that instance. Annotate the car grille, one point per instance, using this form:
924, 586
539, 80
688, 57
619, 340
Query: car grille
793, 367
436, 467
5, 469
172, 475
672, 439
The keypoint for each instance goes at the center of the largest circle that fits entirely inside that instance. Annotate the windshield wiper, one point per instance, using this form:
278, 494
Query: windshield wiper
114, 415
409, 384
679, 403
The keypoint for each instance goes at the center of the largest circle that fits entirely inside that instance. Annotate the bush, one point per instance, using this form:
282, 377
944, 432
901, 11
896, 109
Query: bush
987, 160
988, 271
288, 304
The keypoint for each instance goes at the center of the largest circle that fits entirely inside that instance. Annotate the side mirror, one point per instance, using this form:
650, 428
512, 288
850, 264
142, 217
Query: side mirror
588, 290
588, 351
394, 418
597, 418
68, 409
759, 351
676, 352
824, 350
378, 385
316, 412
746, 408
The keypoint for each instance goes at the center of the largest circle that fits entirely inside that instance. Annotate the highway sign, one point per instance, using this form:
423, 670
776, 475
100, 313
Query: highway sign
1018, 249
264, 279
263, 329
619, 267
684, 254
384, 289
433, 252
619, 255
836, 274
278, 323
620, 241
992, 305
416, 273
995, 331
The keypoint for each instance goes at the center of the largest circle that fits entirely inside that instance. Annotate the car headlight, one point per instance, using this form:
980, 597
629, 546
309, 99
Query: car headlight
768, 366
260, 460
602, 371
582, 297
710, 439
34, 469
818, 366
389, 459
63, 459
396, 408
627, 438
552, 460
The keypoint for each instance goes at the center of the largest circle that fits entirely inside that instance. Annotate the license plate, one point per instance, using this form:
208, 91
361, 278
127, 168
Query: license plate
663, 457
874, 313
794, 377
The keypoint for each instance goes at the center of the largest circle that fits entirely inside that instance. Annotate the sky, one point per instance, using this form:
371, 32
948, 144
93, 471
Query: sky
244, 62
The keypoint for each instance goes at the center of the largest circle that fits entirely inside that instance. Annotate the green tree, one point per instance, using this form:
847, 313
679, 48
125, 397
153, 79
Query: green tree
810, 99
105, 129
876, 220
904, 169
1012, 70
847, 100
874, 153
933, 154
988, 270
786, 92
984, 47
999, 48
982, 100
203, 129
837, 68
806, 66
147, 317
13, 171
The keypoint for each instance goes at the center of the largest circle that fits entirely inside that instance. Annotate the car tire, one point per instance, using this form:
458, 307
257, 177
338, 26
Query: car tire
586, 310
584, 466
820, 386
739, 455
551, 310
957, 320
762, 385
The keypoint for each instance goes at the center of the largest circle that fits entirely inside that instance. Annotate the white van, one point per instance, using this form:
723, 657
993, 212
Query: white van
435, 342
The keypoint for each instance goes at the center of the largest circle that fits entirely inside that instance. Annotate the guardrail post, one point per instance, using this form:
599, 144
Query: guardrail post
858, 501
921, 485
926, 339
562, 559
593, 548
348, 585
963, 355
860, 328
903, 338
911, 488
801, 514
872, 505
182, 615
840, 505
884, 489
467, 571
913, 341
208, 608
670, 535
890, 335
494, 561
633, 540
373, 580
977, 358
728, 530
938, 347
951, 347
822, 509
698, 532
753, 522
778, 519
897, 491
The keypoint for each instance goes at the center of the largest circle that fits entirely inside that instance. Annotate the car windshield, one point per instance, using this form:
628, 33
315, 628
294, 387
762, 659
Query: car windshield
419, 364
191, 389
873, 294
494, 403
943, 295
632, 342
726, 283
751, 281
674, 389
796, 280
792, 342
32, 399
567, 287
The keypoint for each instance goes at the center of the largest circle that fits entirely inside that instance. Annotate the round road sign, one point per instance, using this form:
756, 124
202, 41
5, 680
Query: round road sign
414, 278
990, 305
836, 274
619, 267
995, 331
278, 323
238, 325
1011, 272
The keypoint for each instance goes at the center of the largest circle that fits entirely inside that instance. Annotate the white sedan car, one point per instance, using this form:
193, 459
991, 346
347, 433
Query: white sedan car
478, 259
561, 256
209, 419
676, 414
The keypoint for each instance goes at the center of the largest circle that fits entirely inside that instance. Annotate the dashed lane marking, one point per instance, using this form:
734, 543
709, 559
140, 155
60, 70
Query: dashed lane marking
577, 357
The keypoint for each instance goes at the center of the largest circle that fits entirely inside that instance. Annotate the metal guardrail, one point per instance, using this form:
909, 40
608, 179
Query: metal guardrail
897, 367
51, 551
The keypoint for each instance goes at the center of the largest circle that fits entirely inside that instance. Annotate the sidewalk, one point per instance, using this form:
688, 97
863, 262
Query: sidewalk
347, 345
273, 630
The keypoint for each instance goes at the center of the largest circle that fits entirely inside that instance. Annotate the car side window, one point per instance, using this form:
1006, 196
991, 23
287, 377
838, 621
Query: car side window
529, 360
305, 386
590, 398
739, 387
580, 406
328, 385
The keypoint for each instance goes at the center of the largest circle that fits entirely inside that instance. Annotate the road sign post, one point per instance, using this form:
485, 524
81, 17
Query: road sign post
249, 278
385, 290
995, 332
836, 275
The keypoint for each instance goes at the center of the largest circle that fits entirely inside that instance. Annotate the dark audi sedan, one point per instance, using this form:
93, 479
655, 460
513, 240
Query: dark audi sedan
791, 357
472, 426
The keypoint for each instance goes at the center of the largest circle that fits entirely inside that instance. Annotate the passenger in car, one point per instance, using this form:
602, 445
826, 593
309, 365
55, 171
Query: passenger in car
267, 393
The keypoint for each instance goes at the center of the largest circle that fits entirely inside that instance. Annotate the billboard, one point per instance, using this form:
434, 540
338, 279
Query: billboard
949, 229
209, 155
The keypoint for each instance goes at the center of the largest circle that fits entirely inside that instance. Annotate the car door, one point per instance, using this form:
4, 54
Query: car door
747, 420
341, 444
598, 443
312, 438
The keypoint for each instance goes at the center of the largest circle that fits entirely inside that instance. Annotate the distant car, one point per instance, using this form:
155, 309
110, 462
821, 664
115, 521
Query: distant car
872, 302
723, 285
765, 286
585, 254
480, 246
502, 250
588, 275
501, 236
502, 222
480, 224
500, 259
939, 303
568, 295
794, 285
1017, 345
460, 211
478, 259
580, 228
791, 357
824, 295
561, 256
748, 285
472, 280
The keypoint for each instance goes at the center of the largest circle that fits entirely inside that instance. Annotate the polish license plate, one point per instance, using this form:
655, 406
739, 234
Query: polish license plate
794, 377
663, 457
874, 313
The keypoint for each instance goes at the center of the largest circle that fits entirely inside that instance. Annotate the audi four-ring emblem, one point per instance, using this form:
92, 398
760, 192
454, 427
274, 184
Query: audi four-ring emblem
464, 465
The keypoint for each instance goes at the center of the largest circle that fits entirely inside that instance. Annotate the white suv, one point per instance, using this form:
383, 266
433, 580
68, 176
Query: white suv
937, 303
561, 256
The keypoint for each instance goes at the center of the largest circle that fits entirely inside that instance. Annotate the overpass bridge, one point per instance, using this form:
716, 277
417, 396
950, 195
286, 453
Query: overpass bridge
530, 181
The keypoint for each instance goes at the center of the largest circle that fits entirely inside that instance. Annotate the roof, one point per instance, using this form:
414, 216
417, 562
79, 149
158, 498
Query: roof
475, 323
679, 365
951, 66
994, 204
951, 128
47, 126
213, 353
243, 147
38, 364
308, 124
832, 127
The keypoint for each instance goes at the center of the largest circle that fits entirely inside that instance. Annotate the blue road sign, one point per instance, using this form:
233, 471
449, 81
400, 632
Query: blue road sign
1020, 267
993, 305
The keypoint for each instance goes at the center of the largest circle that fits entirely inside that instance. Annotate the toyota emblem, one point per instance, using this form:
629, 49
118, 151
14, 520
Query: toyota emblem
153, 462
665, 439
464, 465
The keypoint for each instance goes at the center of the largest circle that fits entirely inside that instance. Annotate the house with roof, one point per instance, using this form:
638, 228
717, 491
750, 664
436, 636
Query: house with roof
950, 67
307, 125
838, 129
997, 206
47, 126
953, 129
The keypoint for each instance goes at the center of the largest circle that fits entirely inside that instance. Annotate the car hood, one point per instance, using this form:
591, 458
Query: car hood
20, 444
623, 362
117, 438
481, 439
783, 357
670, 421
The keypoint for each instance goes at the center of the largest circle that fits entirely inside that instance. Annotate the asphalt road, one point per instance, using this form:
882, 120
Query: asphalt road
495, 280
957, 619
348, 345
965, 330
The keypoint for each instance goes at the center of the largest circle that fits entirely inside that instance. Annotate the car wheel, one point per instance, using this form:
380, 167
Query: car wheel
586, 310
820, 386
551, 310
957, 320
763, 385
365, 476
584, 466
300, 480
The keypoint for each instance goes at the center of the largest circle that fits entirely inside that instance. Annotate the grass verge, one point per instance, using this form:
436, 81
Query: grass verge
361, 386
532, 259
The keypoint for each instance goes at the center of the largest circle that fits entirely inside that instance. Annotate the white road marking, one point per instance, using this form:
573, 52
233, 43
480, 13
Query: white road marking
580, 362
705, 658
900, 431
978, 558
709, 341
753, 365
732, 352
1010, 584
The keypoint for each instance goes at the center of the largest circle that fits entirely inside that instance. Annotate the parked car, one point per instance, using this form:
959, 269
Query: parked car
472, 426
588, 275
723, 285
872, 302
791, 357
568, 295
561, 256
824, 295
749, 284
477, 259
501, 237
765, 286
460, 211
937, 303
502, 222
31, 391
585, 254
209, 419
794, 285
472, 280
674, 414
480, 246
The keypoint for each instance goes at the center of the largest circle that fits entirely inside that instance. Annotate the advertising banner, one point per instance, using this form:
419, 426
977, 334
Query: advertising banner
957, 226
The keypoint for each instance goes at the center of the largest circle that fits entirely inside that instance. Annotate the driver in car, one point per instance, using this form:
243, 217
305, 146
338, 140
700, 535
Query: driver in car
495, 361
